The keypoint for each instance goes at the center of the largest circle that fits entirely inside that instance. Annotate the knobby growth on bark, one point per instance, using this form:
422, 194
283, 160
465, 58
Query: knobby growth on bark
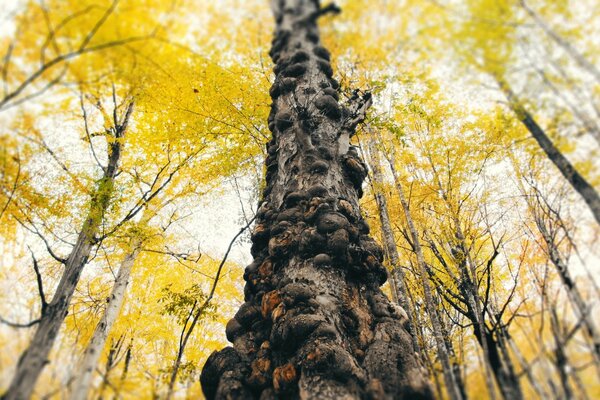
315, 323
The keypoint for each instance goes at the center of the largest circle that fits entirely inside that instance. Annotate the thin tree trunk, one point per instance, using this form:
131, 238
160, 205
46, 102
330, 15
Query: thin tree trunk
195, 315
94, 349
560, 357
565, 45
545, 218
448, 341
581, 309
577, 181
508, 383
501, 367
115, 349
125, 369
389, 241
185, 335
35, 357
590, 126
526, 367
450, 380
315, 324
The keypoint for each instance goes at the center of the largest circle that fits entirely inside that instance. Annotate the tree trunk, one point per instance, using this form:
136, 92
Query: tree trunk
527, 369
35, 357
94, 349
564, 44
117, 387
456, 367
577, 181
389, 241
560, 356
315, 324
581, 309
508, 382
450, 380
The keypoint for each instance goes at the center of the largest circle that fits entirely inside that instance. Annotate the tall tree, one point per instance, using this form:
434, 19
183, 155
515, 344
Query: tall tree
54, 312
93, 351
451, 381
315, 323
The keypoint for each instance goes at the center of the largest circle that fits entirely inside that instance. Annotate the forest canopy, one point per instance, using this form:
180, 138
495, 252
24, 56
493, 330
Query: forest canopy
179, 176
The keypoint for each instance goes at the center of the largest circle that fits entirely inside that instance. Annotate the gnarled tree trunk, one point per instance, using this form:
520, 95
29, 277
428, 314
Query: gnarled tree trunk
315, 324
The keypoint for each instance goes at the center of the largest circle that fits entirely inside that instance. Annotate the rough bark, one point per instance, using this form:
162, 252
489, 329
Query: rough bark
315, 324
94, 349
568, 171
35, 357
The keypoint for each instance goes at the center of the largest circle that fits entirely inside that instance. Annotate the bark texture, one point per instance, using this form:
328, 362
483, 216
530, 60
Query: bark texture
315, 324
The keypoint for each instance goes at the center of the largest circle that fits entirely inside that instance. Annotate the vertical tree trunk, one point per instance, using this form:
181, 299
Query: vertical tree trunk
456, 367
575, 179
467, 282
564, 44
389, 241
94, 349
35, 357
581, 309
450, 380
315, 324
526, 368
560, 356
117, 387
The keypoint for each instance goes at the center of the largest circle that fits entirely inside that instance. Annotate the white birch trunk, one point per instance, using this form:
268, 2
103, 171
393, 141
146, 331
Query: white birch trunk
94, 348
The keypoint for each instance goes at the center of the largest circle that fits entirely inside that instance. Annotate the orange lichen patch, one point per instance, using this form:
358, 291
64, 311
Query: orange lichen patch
278, 312
371, 262
261, 231
346, 208
261, 372
266, 269
269, 302
284, 377
281, 244
314, 355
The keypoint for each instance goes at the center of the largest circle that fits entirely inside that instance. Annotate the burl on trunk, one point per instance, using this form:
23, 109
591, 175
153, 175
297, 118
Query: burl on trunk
315, 324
